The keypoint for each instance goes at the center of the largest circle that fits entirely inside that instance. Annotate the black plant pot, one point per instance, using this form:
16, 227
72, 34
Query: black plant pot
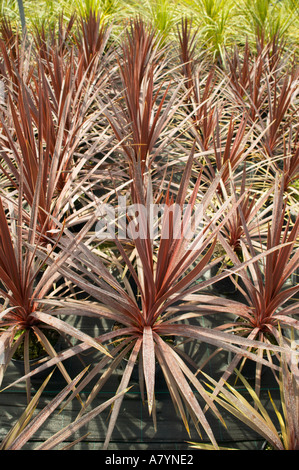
36, 362
57, 380
226, 285
33, 364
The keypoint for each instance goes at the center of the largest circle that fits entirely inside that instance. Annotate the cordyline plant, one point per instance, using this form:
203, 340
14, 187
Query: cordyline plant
13, 61
285, 165
264, 85
200, 103
281, 92
24, 281
248, 71
231, 150
245, 79
253, 209
50, 119
10, 37
166, 273
80, 47
145, 102
268, 300
91, 40
289, 167
49, 41
27, 425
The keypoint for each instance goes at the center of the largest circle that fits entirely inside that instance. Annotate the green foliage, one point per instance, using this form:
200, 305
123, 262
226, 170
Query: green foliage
220, 23
267, 18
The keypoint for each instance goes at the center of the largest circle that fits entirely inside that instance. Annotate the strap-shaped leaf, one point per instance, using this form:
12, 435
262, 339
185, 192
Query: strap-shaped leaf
148, 352
69, 329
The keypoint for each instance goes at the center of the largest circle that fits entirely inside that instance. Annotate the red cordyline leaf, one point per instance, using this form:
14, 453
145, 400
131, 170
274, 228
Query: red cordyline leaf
148, 354
49, 117
91, 39
68, 329
183, 386
64, 434
123, 385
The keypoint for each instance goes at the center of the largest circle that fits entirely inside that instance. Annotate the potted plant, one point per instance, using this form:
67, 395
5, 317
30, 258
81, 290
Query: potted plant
166, 272
41, 128
24, 282
44, 123
266, 296
37, 352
